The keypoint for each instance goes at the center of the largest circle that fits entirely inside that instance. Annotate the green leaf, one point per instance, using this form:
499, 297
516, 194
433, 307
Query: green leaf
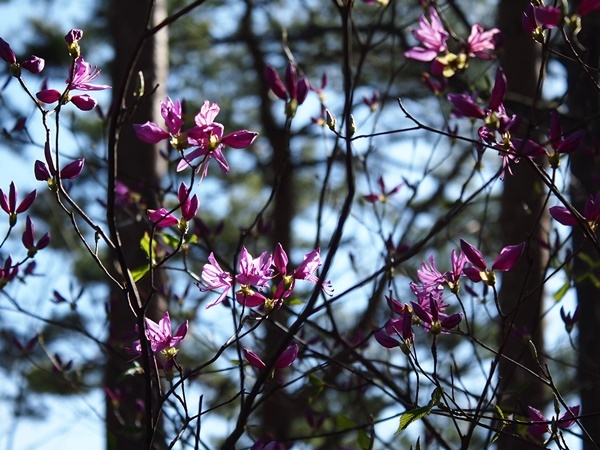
170, 240
344, 423
436, 396
412, 416
139, 273
364, 441
145, 245
294, 302
562, 291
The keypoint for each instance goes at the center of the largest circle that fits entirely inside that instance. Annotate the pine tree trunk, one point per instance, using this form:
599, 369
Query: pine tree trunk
140, 168
522, 220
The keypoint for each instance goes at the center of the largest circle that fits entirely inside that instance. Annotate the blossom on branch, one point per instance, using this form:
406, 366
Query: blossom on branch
479, 272
540, 424
208, 137
9, 203
294, 91
81, 75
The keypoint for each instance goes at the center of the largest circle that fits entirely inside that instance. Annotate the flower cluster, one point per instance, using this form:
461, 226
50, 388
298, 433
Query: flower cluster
189, 208
162, 340
429, 309
81, 75
32, 64
433, 40
255, 275
206, 136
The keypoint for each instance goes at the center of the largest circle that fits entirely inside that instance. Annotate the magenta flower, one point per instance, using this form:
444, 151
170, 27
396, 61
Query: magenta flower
253, 272
587, 6
162, 218
569, 319
383, 197
286, 359
481, 42
453, 275
189, 203
8, 272
207, 135
479, 272
72, 38
80, 78
294, 91
151, 133
215, 278
536, 19
540, 424
161, 338
305, 271
33, 64
434, 321
29, 242
591, 213
47, 173
432, 36
399, 327
9, 203
373, 101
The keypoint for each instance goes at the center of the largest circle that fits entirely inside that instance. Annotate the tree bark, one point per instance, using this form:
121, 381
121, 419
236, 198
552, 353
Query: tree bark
584, 103
522, 220
140, 167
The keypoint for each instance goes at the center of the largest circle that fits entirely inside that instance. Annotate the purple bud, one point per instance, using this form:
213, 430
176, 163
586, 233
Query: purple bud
239, 139
275, 82
162, 218
302, 90
84, 102
508, 257
28, 234
74, 35
73, 169
27, 202
48, 96
385, 341
288, 356
563, 216
150, 133
6, 52
253, 359
33, 64
473, 255
290, 80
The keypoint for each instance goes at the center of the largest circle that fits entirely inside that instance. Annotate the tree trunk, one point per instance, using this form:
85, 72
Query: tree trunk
140, 168
521, 294
584, 103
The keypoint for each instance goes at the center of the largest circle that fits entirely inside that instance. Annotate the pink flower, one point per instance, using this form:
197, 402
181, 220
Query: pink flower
215, 278
28, 239
569, 319
151, 133
160, 336
434, 321
253, 272
591, 213
383, 197
305, 271
8, 272
33, 64
587, 6
9, 203
286, 359
294, 91
189, 203
479, 272
538, 18
432, 36
80, 78
208, 136
540, 425
480, 43
47, 173
162, 218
